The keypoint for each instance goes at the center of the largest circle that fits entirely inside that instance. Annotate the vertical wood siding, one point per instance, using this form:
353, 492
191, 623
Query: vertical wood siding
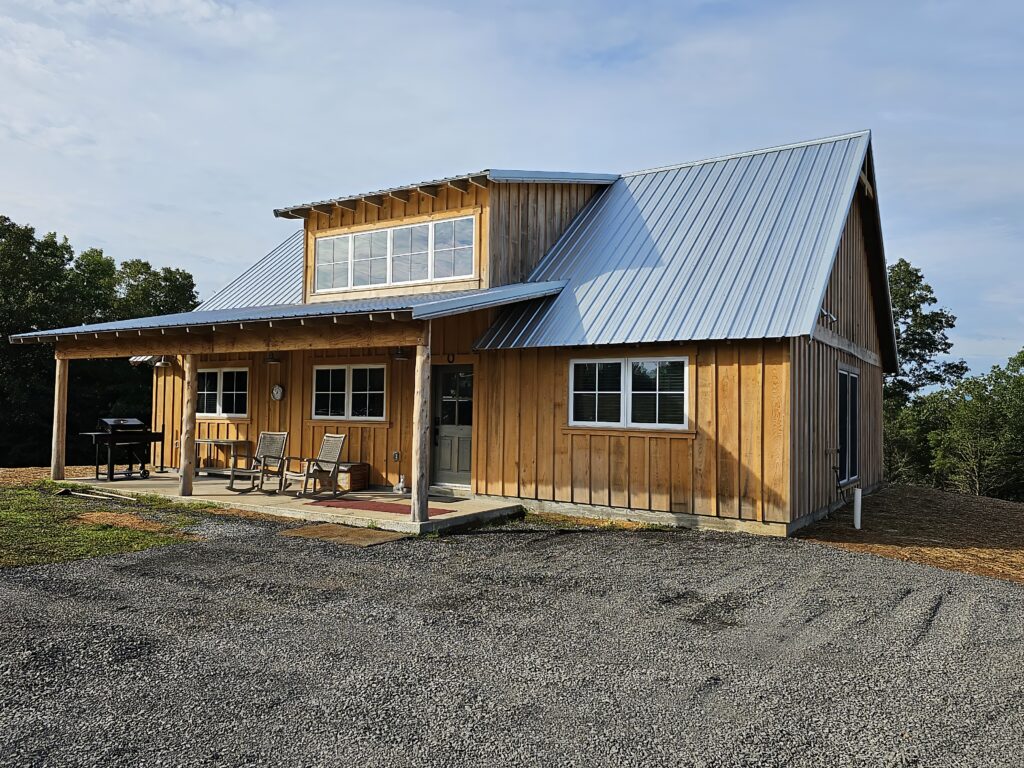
733, 462
372, 442
848, 296
816, 423
815, 384
526, 220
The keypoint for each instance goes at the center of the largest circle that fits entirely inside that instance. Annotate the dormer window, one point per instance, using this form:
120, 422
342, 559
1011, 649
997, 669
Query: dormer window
417, 253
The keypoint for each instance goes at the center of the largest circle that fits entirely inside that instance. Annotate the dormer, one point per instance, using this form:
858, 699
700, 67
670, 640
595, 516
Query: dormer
467, 232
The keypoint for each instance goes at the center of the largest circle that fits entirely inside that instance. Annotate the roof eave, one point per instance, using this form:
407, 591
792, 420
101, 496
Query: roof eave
461, 183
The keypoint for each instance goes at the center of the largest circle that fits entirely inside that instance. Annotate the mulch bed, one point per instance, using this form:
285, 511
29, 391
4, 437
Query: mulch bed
376, 506
947, 530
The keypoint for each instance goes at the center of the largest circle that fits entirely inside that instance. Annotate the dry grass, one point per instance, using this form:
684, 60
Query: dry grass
959, 533
24, 475
572, 521
122, 520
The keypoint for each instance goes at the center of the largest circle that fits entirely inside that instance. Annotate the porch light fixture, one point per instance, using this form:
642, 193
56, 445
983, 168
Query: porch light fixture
163, 362
400, 354
272, 359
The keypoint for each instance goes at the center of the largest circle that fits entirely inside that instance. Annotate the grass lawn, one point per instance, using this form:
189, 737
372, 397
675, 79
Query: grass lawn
37, 526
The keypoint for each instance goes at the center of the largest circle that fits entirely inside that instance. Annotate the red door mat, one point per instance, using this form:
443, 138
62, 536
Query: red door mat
376, 506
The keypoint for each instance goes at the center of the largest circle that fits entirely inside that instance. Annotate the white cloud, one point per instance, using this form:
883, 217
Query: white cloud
169, 130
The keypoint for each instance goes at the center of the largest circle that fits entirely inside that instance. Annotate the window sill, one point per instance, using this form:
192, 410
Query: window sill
575, 429
330, 421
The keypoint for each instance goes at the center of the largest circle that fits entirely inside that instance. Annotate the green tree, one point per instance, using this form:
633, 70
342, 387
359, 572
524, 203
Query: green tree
44, 285
921, 339
923, 346
979, 449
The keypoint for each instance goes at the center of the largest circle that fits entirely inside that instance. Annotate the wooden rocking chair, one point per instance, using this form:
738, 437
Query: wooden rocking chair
267, 461
323, 469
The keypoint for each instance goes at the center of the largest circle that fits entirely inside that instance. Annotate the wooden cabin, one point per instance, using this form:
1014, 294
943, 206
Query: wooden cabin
701, 344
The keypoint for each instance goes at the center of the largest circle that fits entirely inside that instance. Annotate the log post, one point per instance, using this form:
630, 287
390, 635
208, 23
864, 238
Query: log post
60, 420
421, 431
188, 427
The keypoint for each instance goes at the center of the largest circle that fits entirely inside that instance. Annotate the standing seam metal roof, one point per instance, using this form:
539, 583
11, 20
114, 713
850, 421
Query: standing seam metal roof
735, 247
419, 306
274, 279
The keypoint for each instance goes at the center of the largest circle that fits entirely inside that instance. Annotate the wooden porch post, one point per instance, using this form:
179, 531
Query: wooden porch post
421, 430
188, 427
60, 420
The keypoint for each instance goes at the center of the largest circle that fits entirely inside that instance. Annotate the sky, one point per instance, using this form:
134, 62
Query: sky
170, 130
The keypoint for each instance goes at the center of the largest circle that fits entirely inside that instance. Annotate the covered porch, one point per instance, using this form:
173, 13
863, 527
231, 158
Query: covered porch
366, 509
281, 354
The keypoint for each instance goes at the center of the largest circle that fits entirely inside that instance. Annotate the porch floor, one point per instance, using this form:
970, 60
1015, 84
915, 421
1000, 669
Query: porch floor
445, 512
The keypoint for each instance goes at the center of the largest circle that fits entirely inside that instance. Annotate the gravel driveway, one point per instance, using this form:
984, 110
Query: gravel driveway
514, 645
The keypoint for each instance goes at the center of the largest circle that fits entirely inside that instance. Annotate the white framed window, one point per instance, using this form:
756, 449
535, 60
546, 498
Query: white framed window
410, 253
333, 256
595, 392
639, 392
349, 392
849, 425
657, 392
223, 392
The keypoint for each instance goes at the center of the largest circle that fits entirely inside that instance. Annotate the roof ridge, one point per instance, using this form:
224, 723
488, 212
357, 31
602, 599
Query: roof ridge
749, 153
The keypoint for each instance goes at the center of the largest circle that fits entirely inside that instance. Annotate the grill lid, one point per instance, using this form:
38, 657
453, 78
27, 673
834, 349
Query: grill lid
119, 424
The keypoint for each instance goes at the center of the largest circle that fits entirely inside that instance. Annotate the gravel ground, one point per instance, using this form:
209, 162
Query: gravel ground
522, 644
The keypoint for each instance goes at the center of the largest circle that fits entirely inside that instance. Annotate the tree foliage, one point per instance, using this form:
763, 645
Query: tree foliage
943, 428
43, 284
921, 339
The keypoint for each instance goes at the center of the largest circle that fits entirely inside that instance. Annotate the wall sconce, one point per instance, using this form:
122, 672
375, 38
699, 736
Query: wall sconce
163, 362
272, 359
400, 354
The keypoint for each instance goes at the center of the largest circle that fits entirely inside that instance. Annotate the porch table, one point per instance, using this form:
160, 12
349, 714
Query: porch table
232, 445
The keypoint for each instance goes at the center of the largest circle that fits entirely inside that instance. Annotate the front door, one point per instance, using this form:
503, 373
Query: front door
453, 423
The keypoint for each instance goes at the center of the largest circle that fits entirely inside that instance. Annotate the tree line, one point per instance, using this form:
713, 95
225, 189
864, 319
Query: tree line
43, 284
943, 427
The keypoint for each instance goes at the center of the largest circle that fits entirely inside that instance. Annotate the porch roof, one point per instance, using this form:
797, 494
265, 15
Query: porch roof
419, 306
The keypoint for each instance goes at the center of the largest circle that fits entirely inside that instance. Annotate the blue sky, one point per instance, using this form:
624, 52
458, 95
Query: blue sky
170, 130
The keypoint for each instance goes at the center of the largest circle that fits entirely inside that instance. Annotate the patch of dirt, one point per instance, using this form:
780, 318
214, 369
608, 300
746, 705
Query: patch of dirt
132, 521
122, 520
248, 514
947, 530
24, 475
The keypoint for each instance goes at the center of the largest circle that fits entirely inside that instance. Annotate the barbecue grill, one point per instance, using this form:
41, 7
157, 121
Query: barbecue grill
133, 438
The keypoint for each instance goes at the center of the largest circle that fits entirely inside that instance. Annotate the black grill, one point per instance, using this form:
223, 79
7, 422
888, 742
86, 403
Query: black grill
132, 437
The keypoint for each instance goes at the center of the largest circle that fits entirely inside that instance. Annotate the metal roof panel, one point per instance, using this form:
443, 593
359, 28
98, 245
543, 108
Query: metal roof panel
419, 305
730, 248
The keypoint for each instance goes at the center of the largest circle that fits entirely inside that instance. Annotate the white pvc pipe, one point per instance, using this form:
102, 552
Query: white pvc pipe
856, 508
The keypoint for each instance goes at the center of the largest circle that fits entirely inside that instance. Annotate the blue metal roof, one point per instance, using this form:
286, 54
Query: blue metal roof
274, 279
735, 247
419, 306
498, 175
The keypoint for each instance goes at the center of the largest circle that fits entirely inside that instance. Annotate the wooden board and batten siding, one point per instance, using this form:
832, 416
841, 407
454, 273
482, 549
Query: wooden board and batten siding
731, 463
849, 341
516, 224
374, 442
